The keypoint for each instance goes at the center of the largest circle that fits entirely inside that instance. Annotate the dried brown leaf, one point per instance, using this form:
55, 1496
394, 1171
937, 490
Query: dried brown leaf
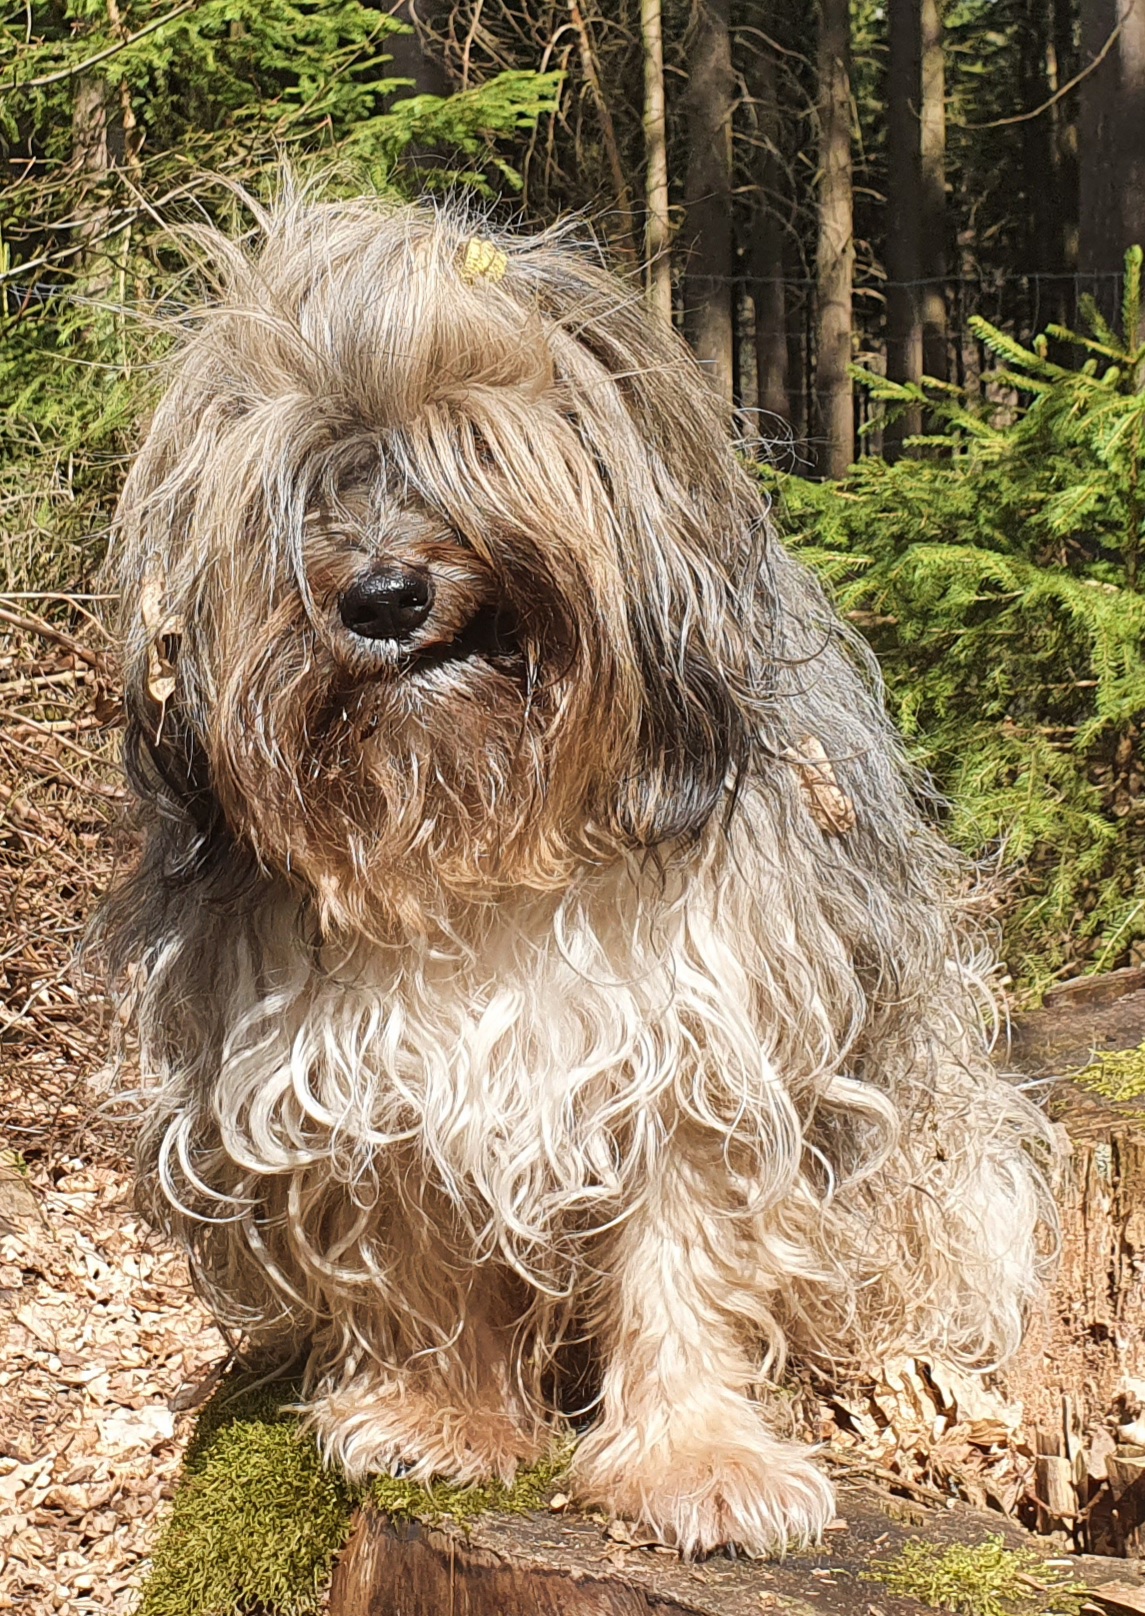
826, 802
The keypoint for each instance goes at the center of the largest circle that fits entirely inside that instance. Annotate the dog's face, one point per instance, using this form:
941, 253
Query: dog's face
402, 598
441, 621
409, 715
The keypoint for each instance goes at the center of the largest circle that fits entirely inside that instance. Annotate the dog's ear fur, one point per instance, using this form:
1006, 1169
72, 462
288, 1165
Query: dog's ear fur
167, 768
655, 432
693, 738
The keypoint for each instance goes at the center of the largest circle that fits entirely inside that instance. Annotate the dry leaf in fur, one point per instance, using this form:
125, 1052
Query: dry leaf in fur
827, 803
160, 667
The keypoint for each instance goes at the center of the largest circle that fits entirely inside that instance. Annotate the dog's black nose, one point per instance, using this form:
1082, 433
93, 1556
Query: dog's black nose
387, 603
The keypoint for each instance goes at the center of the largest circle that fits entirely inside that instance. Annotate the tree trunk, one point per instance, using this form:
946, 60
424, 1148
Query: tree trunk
932, 131
771, 345
625, 231
799, 334
836, 248
1112, 154
415, 56
1044, 161
91, 157
1101, 245
1131, 125
94, 141
127, 137
411, 56
1061, 68
708, 285
657, 230
766, 255
903, 212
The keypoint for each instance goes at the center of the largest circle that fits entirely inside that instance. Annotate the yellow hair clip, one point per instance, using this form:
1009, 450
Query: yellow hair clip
483, 261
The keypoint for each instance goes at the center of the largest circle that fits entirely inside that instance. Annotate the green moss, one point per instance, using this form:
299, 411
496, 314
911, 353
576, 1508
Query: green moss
441, 1500
238, 1401
984, 1579
258, 1518
1117, 1074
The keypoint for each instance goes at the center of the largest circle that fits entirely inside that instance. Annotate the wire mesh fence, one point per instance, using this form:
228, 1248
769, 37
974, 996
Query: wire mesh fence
1023, 305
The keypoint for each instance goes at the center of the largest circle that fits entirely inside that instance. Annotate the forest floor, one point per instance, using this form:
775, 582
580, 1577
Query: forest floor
102, 1342
103, 1347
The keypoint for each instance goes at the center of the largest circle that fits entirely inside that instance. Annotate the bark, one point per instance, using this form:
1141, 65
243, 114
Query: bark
1042, 163
1101, 245
969, 352
766, 253
836, 249
558, 1562
771, 338
1061, 67
903, 213
93, 138
932, 133
1087, 1347
1112, 144
1093, 1012
708, 286
799, 342
657, 232
90, 155
126, 135
411, 55
590, 67
1131, 124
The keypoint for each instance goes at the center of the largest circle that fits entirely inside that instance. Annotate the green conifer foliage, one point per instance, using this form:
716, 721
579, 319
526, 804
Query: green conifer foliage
997, 573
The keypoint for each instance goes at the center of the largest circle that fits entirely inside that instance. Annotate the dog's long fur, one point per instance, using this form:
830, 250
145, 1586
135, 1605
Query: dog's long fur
503, 985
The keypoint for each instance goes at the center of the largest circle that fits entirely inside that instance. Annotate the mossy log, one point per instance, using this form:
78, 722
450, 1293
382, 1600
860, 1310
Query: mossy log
573, 1565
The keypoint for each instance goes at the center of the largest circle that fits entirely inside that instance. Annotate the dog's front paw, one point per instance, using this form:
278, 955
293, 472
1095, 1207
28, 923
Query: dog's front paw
385, 1427
750, 1490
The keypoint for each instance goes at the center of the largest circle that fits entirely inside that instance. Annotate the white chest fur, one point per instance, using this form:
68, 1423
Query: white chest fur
537, 1071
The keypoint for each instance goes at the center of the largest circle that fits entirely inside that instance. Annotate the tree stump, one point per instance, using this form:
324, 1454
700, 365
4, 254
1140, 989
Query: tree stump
570, 1565
1078, 1018
1081, 1375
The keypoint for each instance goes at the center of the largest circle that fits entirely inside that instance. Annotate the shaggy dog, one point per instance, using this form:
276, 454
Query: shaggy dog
536, 936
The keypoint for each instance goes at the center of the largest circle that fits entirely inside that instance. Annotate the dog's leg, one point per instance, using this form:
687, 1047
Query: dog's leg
418, 1374
452, 1411
680, 1444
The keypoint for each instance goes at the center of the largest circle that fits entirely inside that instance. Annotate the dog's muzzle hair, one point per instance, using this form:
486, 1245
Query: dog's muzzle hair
536, 937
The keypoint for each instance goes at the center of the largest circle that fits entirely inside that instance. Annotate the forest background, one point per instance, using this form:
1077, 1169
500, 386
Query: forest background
902, 236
